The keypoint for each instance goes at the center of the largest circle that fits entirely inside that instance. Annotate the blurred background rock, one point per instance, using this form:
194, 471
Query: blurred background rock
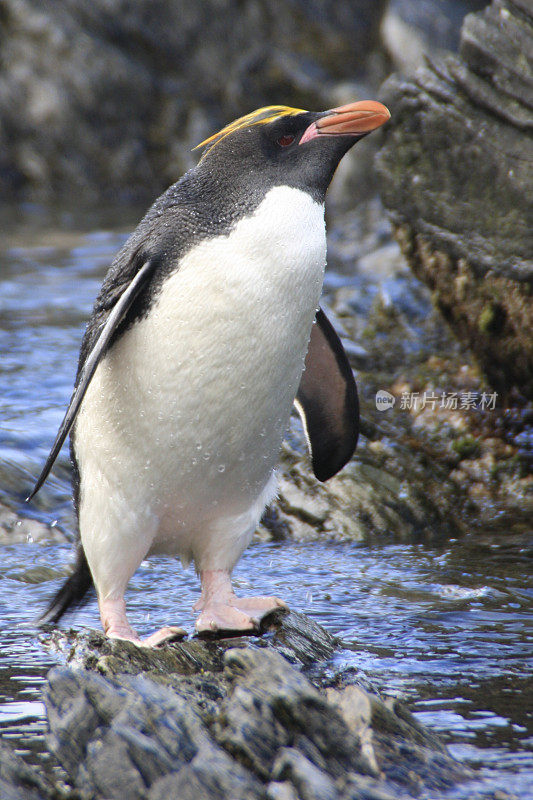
104, 99
457, 174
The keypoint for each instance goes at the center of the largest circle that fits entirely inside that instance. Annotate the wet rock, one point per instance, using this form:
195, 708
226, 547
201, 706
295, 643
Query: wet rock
18, 781
385, 491
301, 640
271, 707
291, 633
355, 707
384, 730
245, 723
217, 777
310, 782
456, 174
146, 729
407, 753
105, 101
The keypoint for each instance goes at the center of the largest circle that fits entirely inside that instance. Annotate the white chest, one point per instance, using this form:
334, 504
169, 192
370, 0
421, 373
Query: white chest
198, 393
250, 287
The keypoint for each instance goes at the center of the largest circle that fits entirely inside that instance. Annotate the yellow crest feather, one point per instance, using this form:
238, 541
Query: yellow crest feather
258, 117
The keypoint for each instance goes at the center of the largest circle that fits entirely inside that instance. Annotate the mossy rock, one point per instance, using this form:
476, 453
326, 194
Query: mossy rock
456, 173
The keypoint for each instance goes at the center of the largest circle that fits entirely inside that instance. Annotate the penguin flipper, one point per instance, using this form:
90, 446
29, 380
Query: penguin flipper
327, 401
114, 318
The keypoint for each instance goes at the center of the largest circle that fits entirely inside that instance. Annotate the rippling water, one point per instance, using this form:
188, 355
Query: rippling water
447, 629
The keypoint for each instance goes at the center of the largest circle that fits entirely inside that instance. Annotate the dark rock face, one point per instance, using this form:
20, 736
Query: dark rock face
114, 740
456, 172
101, 99
231, 718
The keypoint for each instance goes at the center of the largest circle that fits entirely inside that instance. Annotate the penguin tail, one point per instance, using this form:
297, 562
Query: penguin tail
71, 594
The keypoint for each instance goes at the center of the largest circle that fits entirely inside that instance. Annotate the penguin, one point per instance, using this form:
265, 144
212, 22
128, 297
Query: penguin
205, 332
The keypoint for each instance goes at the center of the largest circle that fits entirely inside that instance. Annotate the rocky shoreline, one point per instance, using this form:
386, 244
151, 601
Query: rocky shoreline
259, 717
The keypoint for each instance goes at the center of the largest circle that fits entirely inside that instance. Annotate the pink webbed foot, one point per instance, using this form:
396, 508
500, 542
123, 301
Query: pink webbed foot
223, 612
235, 617
116, 626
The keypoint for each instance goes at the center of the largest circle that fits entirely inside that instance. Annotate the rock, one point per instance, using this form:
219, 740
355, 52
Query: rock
412, 28
299, 639
310, 782
271, 707
146, 729
242, 722
382, 492
456, 173
212, 775
355, 707
104, 101
281, 791
18, 781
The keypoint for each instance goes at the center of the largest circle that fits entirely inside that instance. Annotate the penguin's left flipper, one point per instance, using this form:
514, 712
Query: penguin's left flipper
115, 316
327, 401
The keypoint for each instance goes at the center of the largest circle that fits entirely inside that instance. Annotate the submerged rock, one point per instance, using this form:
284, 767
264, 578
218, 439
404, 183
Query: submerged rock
457, 172
231, 718
15, 529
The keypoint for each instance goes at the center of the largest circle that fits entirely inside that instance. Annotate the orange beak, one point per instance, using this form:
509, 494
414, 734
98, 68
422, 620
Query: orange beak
354, 119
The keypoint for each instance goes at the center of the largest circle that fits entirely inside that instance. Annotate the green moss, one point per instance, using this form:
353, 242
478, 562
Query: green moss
492, 319
486, 319
467, 447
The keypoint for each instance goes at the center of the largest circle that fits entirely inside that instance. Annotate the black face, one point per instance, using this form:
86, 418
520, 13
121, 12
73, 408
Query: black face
270, 154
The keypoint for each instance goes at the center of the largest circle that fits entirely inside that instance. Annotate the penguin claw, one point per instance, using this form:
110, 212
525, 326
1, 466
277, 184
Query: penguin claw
170, 633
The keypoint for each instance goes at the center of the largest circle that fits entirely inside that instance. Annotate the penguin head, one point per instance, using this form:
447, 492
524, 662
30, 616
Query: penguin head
278, 145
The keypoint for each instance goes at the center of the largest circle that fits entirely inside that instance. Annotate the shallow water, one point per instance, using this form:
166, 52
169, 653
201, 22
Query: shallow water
447, 629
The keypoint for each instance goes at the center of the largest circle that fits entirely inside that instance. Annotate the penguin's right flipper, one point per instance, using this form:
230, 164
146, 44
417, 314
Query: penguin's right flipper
114, 318
327, 401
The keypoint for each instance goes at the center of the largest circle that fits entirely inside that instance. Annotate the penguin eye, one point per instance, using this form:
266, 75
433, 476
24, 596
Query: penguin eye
285, 140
